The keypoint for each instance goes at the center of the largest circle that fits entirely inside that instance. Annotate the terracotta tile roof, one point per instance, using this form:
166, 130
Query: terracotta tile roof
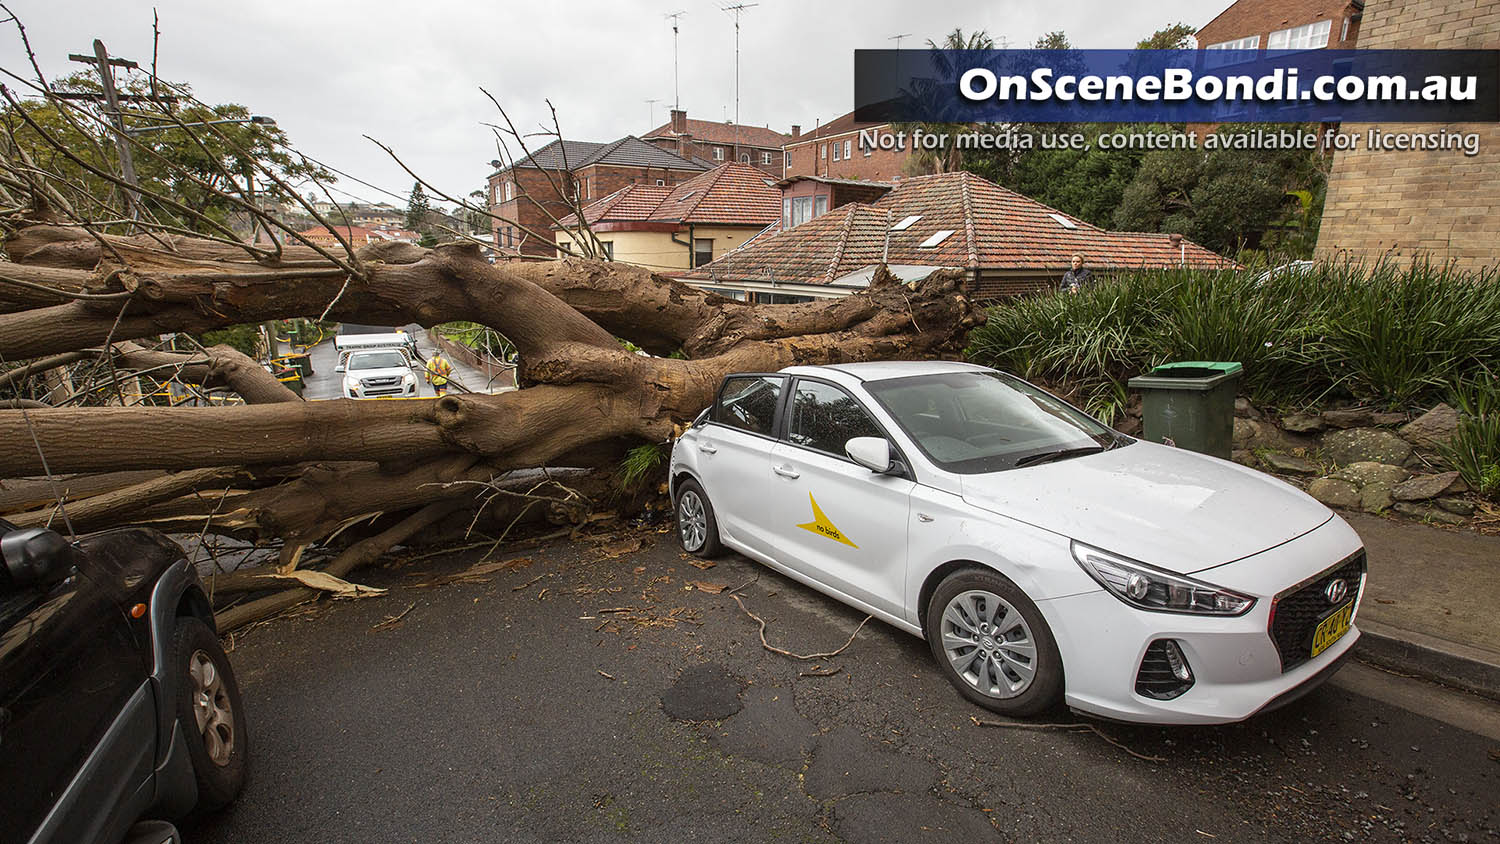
988, 228
713, 132
731, 194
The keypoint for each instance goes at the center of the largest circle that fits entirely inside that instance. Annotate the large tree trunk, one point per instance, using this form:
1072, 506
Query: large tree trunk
281, 468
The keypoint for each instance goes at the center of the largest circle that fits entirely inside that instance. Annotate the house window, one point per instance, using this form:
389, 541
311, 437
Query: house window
1344, 30
786, 158
802, 210
609, 249
1312, 36
509, 190
835, 150
1217, 58
847, 145
765, 158
820, 205
718, 153
786, 212
661, 181
744, 158
822, 150
703, 250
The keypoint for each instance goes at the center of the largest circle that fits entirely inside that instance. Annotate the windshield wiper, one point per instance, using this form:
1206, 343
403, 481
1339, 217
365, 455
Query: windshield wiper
1059, 454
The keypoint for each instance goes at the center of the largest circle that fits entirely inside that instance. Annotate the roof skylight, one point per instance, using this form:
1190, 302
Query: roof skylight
937, 237
1063, 221
906, 223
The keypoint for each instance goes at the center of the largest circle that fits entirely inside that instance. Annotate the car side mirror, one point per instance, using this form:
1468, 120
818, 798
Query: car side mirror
36, 556
339, 368
873, 453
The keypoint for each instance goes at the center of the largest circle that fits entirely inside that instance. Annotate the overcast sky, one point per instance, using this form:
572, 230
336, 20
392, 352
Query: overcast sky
409, 73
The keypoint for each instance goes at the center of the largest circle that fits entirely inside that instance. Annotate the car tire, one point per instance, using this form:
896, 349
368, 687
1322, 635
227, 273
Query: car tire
697, 528
211, 714
977, 604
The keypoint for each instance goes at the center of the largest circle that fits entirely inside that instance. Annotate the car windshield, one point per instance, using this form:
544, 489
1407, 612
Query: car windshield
971, 422
376, 360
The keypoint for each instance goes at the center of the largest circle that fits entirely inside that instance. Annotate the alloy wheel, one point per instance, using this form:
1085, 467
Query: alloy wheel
211, 708
692, 520
989, 644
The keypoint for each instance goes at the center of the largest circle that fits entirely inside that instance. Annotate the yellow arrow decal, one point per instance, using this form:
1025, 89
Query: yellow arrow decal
822, 526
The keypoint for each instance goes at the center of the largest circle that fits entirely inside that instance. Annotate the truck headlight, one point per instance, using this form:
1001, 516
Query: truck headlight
408, 379
1150, 588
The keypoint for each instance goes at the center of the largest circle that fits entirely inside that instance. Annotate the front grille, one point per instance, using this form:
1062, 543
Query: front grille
1158, 676
1296, 612
380, 382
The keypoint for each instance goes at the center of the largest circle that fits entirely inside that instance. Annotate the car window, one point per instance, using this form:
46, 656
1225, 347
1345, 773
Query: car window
985, 421
825, 417
749, 402
377, 360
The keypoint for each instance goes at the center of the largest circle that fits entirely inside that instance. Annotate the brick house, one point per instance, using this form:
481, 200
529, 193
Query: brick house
1437, 204
1006, 244
681, 227
714, 143
806, 197
1284, 25
534, 192
833, 151
357, 236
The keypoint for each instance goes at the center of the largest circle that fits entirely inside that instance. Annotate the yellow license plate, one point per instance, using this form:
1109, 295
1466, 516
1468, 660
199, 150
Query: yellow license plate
1332, 628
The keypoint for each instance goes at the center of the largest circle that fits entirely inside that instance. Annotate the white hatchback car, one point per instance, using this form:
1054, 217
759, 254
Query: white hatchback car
1042, 555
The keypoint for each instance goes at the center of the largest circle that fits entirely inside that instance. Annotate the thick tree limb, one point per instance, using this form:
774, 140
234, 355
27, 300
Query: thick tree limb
115, 508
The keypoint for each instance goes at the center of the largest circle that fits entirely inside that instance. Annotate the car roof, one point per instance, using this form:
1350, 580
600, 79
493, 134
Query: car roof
883, 370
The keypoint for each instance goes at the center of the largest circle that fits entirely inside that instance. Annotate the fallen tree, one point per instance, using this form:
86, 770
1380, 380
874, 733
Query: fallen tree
87, 293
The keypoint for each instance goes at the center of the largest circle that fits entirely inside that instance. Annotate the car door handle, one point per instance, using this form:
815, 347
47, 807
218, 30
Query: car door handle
707, 449
787, 472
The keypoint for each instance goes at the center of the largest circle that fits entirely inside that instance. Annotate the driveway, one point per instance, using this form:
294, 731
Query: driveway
591, 692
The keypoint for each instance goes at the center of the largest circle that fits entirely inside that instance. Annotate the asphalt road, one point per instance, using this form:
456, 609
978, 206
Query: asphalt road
580, 696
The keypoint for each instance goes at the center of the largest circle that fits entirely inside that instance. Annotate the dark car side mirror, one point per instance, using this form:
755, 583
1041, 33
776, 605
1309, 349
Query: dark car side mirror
36, 556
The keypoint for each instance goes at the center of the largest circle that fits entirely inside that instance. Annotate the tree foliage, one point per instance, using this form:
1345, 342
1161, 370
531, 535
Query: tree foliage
418, 209
199, 167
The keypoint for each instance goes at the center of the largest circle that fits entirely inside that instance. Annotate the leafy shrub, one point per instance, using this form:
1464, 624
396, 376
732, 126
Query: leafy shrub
1378, 334
1475, 448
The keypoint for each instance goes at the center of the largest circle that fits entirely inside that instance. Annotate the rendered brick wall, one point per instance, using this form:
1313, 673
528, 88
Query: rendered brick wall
1442, 205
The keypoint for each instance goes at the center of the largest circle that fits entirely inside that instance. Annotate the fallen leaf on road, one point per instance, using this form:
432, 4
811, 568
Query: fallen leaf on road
620, 547
711, 588
639, 569
703, 565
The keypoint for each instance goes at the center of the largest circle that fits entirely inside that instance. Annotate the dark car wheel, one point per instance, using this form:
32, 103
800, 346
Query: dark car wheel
211, 714
992, 643
696, 525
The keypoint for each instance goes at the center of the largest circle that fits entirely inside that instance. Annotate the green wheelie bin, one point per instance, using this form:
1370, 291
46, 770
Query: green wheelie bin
1190, 404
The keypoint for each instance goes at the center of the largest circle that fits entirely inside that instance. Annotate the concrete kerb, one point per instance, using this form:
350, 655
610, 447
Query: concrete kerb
1453, 664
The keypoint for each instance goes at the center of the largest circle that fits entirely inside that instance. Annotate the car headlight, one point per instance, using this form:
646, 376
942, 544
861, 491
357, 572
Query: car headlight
1150, 588
408, 378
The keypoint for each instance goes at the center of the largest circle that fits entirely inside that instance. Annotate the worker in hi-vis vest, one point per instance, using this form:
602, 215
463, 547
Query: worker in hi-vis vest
439, 371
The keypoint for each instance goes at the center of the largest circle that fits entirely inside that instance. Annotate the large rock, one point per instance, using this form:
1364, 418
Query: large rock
1432, 428
1244, 409
1457, 505
1375, 498
1424, 487
1428, 514
1383, 419
1365, 445
1354, 417
1288, 464
1365, 473
1302, 423
1334, 492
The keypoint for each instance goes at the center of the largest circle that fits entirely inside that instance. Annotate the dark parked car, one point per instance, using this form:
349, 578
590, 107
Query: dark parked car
119, 712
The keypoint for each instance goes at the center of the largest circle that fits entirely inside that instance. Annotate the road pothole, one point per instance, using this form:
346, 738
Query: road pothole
703, 693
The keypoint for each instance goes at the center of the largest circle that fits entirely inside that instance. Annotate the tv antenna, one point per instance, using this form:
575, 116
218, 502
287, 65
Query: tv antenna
897, 38
737, 10
651, 110
676, 100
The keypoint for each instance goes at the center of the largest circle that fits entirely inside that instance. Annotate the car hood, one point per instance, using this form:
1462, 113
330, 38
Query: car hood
384, 372
1171, 508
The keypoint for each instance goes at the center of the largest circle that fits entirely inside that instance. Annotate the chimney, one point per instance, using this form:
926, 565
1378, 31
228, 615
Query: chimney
679, 121
796, 130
